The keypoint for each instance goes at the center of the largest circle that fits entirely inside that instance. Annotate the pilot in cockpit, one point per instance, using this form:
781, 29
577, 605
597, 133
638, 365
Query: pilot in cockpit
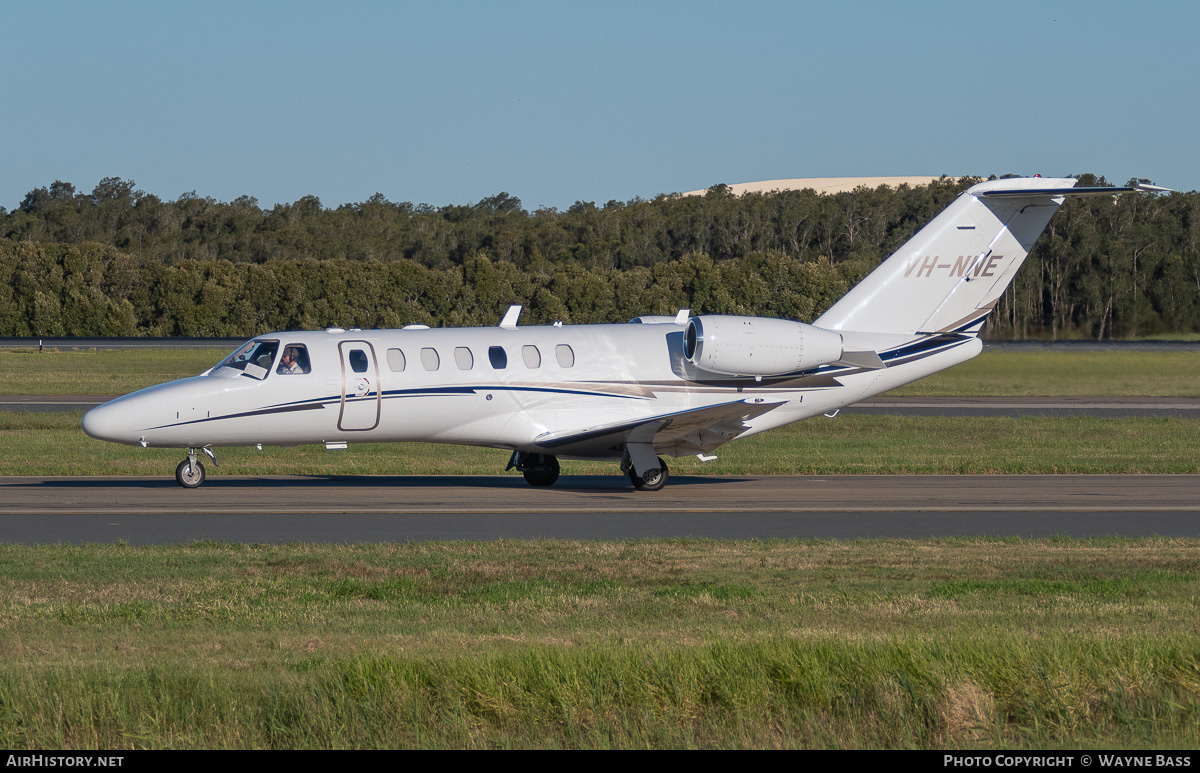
293, 361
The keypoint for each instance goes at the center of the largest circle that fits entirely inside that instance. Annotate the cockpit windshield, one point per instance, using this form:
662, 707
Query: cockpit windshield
253, 358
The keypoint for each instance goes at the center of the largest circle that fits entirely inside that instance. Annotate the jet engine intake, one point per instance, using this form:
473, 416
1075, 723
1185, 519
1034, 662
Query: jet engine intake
758, 346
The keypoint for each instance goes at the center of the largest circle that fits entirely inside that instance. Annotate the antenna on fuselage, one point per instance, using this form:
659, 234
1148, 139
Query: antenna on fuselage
510, 317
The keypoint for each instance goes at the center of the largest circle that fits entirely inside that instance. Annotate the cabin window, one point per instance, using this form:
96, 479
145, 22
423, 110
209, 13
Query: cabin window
464, 358
358, 361
498, 357
565, 355
294, 360
531, 355
429, 358
395, 359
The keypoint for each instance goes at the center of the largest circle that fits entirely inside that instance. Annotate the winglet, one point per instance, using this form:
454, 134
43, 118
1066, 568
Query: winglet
510, 316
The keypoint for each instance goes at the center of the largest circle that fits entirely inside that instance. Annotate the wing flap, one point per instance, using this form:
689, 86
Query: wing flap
701, 429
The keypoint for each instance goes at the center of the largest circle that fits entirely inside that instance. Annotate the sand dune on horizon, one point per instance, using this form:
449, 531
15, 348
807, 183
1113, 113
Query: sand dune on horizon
821, 184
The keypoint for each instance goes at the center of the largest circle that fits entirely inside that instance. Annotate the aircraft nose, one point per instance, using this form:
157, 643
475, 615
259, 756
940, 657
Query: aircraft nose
113, 421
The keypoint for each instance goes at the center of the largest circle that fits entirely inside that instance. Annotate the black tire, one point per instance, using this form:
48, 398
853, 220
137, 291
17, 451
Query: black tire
653, 480
189, 474
543, 470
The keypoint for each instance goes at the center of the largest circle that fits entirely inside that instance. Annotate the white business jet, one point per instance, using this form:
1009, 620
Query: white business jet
661, 386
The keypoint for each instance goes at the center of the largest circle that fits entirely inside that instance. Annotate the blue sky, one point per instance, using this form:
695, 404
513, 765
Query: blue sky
553, 102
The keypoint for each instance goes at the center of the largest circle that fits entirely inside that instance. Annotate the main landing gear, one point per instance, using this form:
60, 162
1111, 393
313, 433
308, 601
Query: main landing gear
190, 472
538, 469
542, 470
653, 479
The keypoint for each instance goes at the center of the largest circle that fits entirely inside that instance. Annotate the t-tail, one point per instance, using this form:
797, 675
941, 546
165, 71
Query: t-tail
948, 277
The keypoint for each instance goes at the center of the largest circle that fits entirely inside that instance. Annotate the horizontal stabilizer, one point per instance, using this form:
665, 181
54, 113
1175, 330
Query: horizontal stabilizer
868, 360
1024, 193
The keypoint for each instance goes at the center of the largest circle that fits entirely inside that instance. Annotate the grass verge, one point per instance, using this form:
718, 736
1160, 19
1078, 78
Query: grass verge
1011, 373
53, 444
98, 372
936, 643
1106, 373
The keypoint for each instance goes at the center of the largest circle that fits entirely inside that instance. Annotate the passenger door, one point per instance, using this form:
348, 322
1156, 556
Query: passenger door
360, 387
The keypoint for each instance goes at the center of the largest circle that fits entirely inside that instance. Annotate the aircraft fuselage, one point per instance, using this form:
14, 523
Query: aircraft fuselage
498, 387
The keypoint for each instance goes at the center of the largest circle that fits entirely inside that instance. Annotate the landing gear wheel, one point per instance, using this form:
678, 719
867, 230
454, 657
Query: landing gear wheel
189, 474
540, 470
653, 480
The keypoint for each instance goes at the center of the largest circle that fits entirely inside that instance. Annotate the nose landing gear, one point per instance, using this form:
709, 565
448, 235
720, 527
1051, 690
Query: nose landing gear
190, 472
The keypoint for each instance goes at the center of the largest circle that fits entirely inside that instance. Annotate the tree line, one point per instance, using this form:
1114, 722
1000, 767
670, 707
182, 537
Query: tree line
118, 261
94, 289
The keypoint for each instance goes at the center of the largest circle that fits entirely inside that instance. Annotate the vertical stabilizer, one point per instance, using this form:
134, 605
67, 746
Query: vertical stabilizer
950, 274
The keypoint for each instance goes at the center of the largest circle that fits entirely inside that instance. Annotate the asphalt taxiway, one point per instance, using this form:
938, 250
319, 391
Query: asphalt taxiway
349, 509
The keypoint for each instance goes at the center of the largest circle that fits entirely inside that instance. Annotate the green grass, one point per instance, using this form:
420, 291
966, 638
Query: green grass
98, 372
1103, 373
1169, 337
868, 644
954, 643
54, 444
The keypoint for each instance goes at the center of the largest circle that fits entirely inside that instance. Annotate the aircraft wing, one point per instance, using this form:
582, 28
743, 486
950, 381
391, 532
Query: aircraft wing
693, 431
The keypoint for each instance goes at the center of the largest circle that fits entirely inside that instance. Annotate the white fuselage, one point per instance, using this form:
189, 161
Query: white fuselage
503, 387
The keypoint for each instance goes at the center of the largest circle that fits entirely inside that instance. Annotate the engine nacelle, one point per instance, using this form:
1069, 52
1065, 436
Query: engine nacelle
758, 346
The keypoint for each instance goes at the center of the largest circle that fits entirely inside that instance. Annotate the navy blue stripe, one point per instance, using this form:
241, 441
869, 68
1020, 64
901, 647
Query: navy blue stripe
260, 412
585, 392
921, 347
444, 391
969, 325
904, 351
465, 390
925, 346
498, 388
